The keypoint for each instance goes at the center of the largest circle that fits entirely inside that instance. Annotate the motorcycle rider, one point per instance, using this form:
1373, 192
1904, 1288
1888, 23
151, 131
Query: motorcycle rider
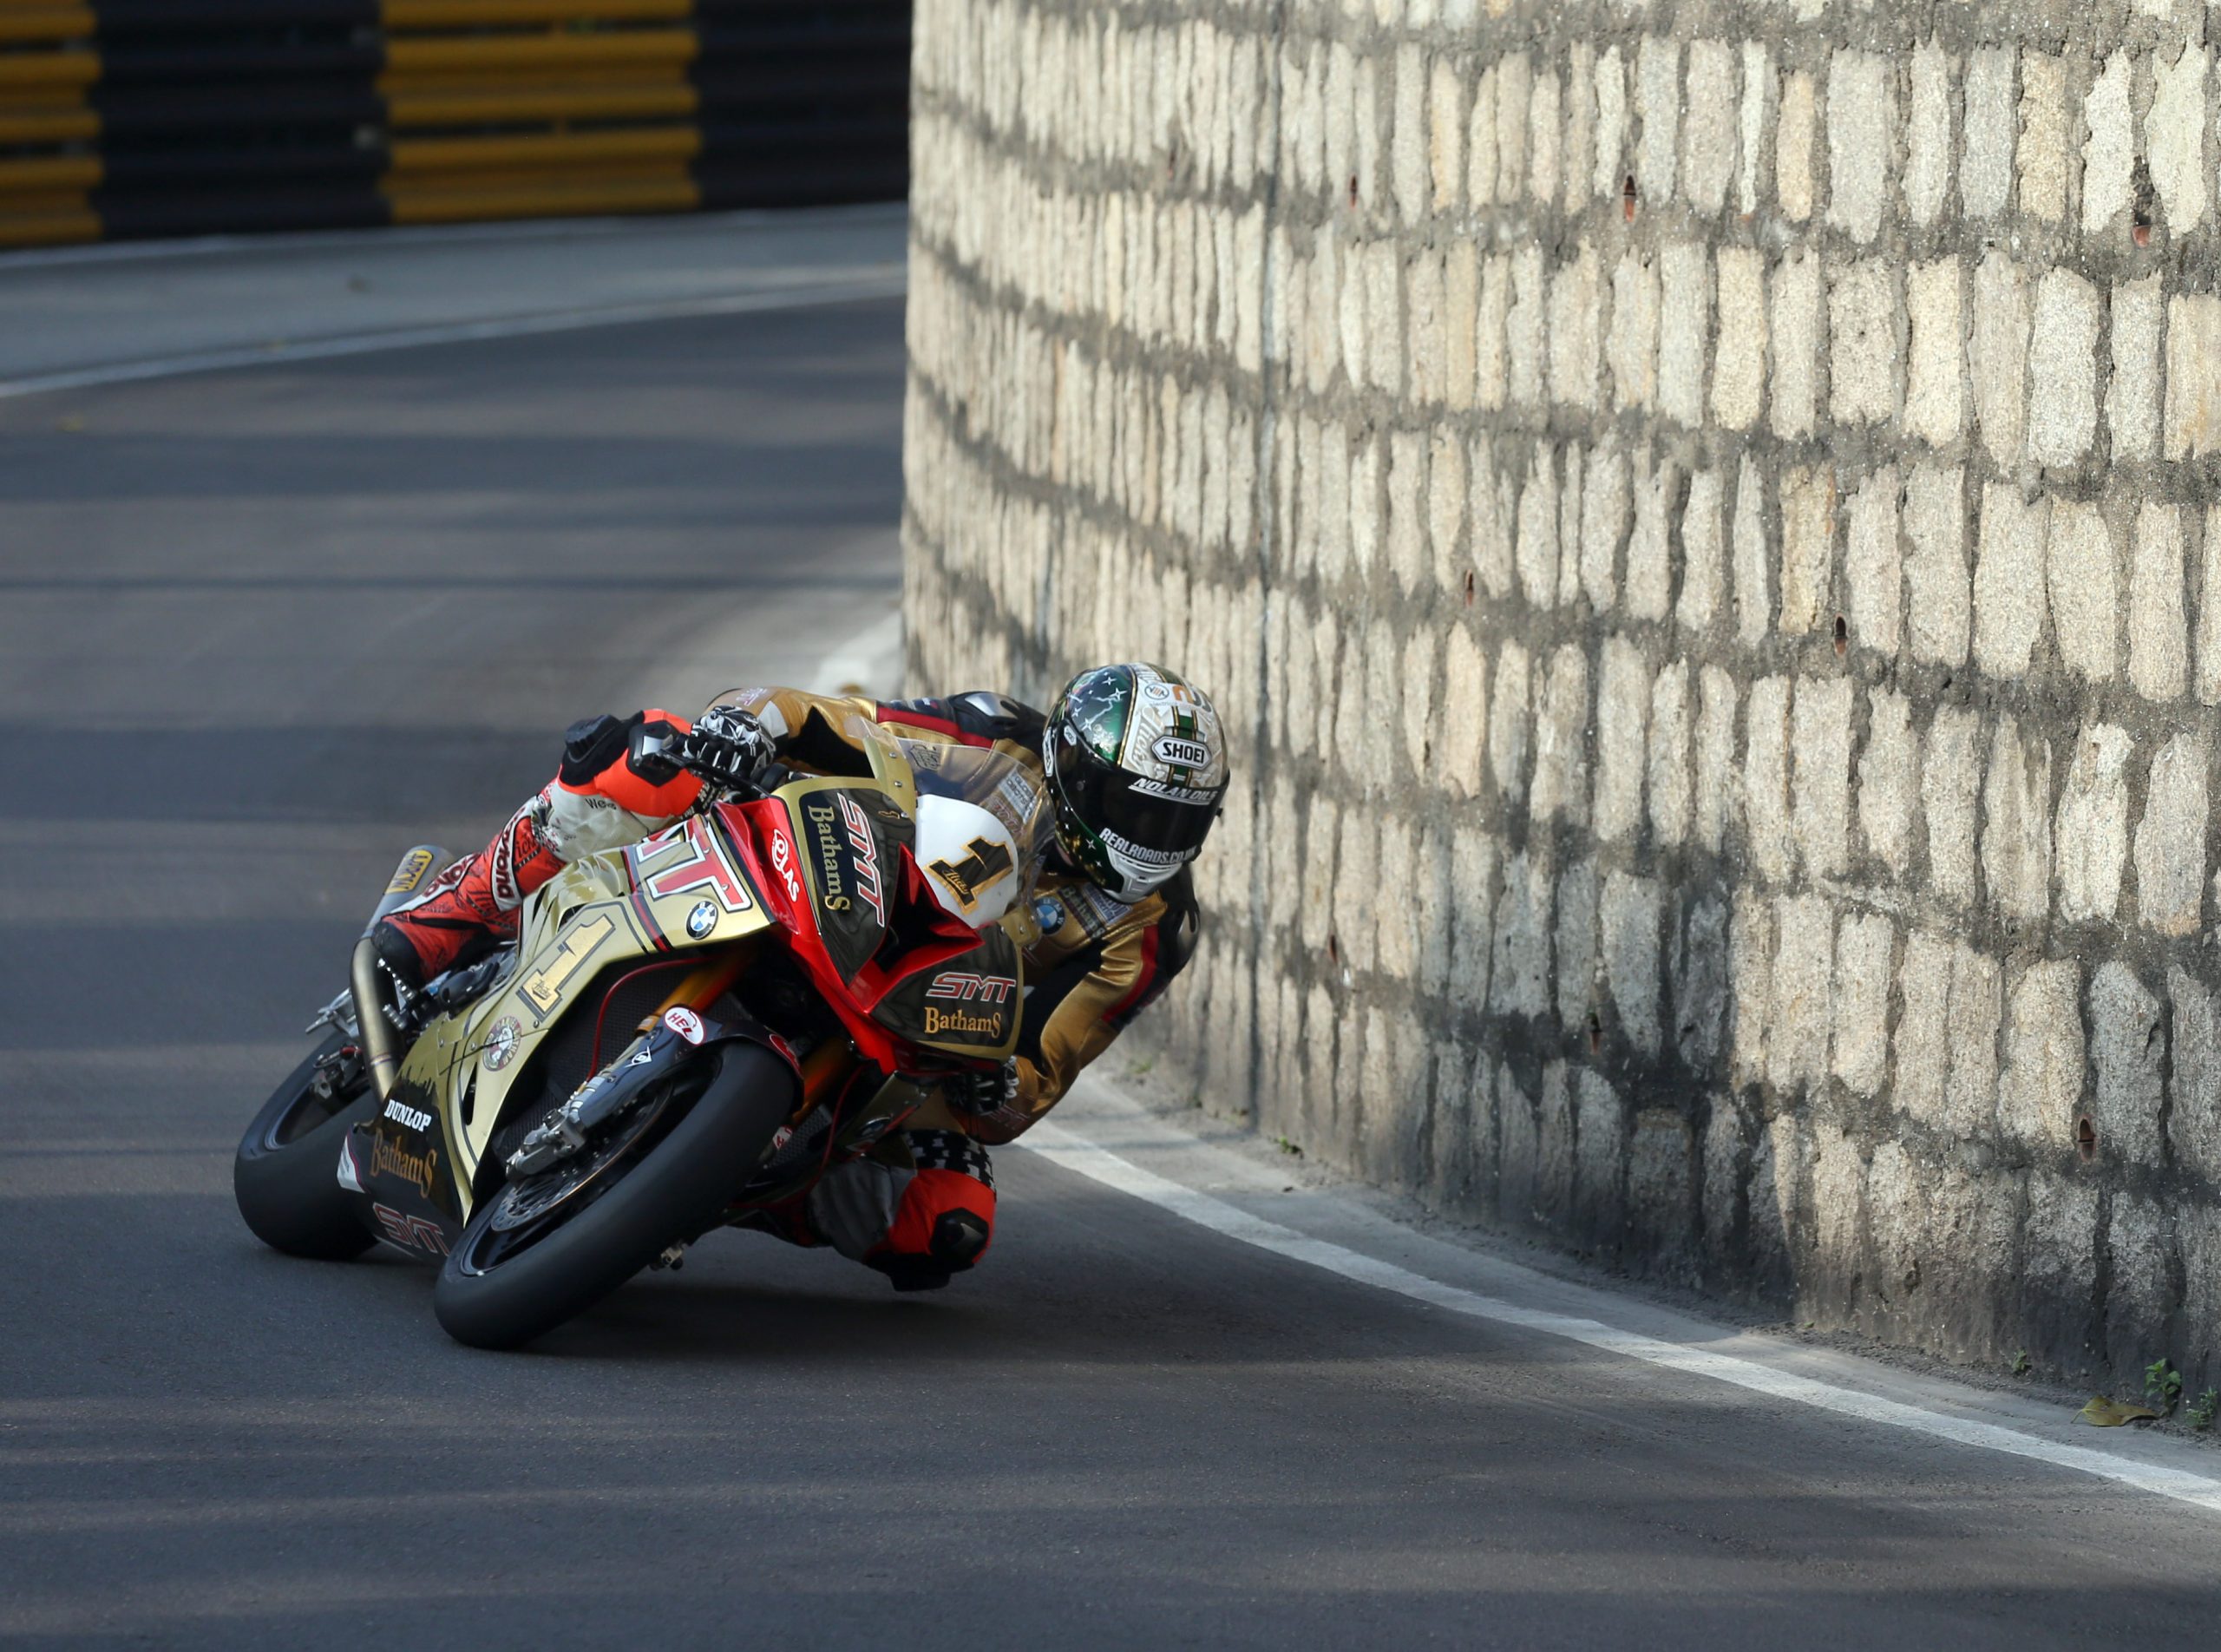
1135, 767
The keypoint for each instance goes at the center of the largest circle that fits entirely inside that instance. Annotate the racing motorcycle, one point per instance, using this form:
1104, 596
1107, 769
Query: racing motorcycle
688, 1033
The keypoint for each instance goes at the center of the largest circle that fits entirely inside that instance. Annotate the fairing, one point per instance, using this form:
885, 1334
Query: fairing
684, 890
823, 867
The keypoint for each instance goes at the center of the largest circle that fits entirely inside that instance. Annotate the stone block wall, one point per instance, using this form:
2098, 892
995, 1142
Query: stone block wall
1703, 522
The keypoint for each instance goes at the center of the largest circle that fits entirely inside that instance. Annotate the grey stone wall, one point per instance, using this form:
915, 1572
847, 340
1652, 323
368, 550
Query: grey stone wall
1702, 519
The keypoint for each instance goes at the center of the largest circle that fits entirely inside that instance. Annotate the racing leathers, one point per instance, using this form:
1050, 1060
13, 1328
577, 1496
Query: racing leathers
923, 1207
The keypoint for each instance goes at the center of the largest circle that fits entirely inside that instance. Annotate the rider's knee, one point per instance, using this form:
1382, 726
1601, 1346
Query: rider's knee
946, 1219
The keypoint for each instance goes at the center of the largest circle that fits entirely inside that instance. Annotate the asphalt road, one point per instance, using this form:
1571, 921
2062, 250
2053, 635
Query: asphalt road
260, 630
72, 309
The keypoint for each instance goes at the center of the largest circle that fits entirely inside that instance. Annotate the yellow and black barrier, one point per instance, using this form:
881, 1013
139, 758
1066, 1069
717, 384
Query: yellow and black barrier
125, 118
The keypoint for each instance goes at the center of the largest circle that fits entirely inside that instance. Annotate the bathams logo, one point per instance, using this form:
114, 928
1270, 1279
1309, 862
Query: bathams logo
387, 1158
825, 834
991, 993
836, 826
987, 1028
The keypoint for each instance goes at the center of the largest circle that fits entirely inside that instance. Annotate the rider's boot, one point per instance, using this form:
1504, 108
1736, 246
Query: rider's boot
472, 907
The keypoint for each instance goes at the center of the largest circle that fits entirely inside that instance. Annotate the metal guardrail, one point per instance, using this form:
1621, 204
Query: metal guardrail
124, 118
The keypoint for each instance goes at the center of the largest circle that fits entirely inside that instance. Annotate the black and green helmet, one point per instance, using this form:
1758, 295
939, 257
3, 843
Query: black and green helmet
1137, 767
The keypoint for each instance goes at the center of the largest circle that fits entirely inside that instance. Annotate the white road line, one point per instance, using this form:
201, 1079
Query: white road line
390, 236
831, 290
1062, 1147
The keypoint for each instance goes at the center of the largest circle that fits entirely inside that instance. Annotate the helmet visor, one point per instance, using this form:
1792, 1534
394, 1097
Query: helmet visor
1153, 822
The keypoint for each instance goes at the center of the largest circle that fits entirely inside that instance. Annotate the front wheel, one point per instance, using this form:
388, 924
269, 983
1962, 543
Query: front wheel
543, 1248
286, 1174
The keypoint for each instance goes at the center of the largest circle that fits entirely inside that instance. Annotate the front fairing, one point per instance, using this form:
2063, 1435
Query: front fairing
684, 890
865, 925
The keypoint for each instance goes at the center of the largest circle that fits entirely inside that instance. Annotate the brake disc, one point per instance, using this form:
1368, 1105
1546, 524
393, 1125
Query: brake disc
521, 1203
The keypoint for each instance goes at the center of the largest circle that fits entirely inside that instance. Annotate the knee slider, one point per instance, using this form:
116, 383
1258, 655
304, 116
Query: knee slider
943, 1227
959, 1239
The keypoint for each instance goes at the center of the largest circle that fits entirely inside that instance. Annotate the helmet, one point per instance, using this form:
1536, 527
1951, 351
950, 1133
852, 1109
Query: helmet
971, 862
1136, 771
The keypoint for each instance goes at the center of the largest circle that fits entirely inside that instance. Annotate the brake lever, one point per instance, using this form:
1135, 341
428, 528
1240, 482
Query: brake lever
746, 791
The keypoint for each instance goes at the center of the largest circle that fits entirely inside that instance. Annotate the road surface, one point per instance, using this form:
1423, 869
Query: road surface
260, 629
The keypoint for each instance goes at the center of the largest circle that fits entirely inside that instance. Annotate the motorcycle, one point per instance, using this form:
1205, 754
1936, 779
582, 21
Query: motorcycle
688, 1033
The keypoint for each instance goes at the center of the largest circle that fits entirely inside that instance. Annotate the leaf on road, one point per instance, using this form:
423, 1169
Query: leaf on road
2102, 1413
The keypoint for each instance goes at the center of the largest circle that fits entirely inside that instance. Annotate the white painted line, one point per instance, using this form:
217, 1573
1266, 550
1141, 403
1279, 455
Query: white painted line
406, 235
1072, 1152
872, 659
879, 284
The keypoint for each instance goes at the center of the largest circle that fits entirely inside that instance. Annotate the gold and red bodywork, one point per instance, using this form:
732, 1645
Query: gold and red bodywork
693, 907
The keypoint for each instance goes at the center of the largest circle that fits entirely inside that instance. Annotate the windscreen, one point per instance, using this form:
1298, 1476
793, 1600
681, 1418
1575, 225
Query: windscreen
1003, 786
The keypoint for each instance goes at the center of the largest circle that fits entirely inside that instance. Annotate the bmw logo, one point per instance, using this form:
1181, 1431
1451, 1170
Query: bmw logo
702, 920
1050, 915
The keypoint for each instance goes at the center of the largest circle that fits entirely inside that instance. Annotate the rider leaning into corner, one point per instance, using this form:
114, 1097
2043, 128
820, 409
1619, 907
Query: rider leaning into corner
1114, 901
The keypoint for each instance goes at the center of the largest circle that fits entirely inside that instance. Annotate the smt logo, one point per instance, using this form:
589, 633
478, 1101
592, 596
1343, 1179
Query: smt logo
411, 1233
865, 850
963, 986
407, 1117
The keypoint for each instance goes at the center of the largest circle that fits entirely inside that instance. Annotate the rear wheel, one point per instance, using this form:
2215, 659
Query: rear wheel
545, 1247
286, 1173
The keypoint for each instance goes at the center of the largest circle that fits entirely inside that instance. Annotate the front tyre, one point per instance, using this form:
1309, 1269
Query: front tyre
536, 1253
286, 1175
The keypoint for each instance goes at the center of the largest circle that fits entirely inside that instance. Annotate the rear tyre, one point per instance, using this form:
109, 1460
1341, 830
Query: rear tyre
514, 1276
286, 1175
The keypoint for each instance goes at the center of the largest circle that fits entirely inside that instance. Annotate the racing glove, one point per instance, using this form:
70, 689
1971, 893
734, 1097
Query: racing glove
727, 747
979, 1093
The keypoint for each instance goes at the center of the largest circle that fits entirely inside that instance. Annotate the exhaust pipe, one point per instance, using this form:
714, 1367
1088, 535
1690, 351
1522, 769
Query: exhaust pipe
367, 981
378, 1052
